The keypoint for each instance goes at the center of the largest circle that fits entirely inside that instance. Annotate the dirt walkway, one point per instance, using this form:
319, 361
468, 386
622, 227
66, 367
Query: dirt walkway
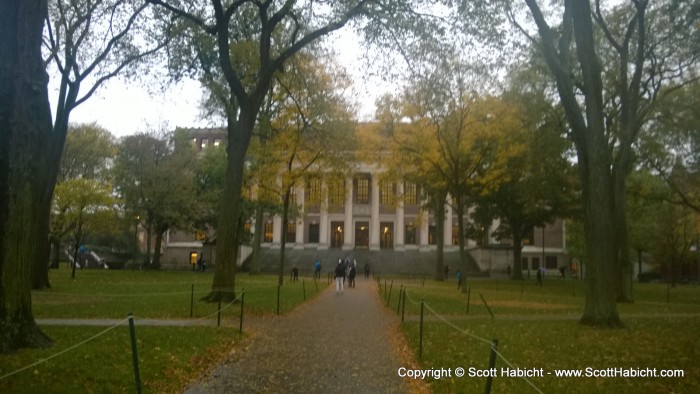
337, 343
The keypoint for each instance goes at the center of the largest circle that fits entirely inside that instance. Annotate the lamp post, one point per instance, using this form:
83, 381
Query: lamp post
137, 220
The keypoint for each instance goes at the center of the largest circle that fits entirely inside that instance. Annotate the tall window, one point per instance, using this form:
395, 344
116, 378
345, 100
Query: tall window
291, 231
387, 193
410, 193
268, 232
432, 235
336, 192
361, 189
410, 235
313, 192
314, 233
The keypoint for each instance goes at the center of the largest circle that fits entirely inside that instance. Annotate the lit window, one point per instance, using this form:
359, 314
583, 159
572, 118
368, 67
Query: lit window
268, 232
217, 142
205, 142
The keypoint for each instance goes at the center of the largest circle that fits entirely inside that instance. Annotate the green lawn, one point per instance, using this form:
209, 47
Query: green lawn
170, 357
538, 329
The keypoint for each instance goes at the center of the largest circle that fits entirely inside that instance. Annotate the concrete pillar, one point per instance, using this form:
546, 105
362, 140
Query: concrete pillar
424, 217
374, 230
448, 222
299, 241
276, 231
399, 231
349, 229
323, 234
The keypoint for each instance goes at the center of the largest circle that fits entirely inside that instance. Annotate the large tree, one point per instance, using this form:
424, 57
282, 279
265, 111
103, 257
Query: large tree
82, 207
306, 134
154, 175
25, 125
606, 87
86, 43
538, 185
278, 30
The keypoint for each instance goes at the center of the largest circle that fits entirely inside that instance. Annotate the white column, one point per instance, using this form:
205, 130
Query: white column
299, 241
323, 235
348, 229
374, 229
424, 217
448, 222
399, 231
276, 231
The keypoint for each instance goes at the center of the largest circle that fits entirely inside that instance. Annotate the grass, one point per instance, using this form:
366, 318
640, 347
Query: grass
539, 329
169, 357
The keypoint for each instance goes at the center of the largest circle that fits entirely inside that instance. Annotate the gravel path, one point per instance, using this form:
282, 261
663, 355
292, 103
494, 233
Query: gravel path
337, 343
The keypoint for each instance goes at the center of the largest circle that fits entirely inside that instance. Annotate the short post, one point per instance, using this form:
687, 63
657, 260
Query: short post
487, 305
192, 302
492, 364
469, 296
134, 353
388, 299
240, 327
403, 305
303, 287
218, 312
278, 300
420, 340
398, 305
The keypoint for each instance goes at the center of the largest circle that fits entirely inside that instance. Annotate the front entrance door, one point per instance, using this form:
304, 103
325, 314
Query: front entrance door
337, 235
387, 235
362, 235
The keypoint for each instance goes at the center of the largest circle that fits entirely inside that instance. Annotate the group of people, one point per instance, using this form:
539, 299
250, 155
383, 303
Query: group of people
345, 269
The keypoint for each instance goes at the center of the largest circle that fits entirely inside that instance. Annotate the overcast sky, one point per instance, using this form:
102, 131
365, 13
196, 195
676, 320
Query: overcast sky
125, 108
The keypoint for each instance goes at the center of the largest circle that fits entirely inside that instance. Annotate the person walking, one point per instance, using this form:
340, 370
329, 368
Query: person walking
459, 280
539, 277
339, 278
366, 270
317, 270
351, 276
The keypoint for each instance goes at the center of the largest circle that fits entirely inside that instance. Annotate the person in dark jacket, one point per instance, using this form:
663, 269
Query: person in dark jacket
351, 276
339, 277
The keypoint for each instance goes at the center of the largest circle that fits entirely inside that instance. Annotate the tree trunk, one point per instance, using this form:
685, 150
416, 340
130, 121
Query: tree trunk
599, 224
149, 238
25, 122
517, 273
439, 212
239, 134
257, 240
285, 223
40, 268
593, 152
56, 244
624, 261
156, 250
